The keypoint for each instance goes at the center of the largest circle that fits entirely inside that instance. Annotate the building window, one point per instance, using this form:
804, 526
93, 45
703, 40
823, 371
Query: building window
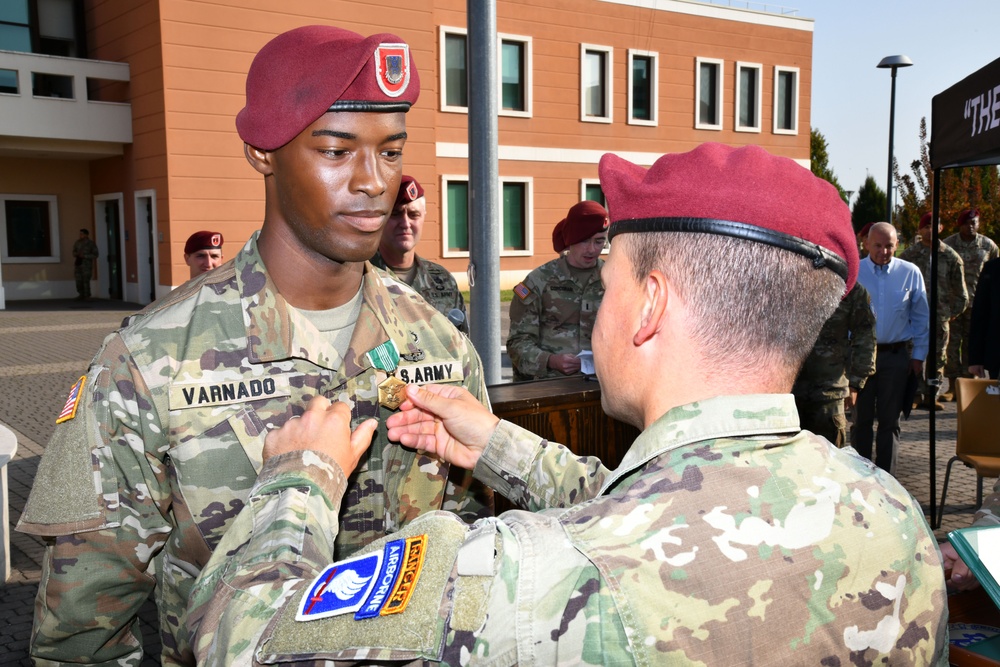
15, 31
455, 213
786, 100
642, 87
515, 215
590, 190
515, 75
454, 82
595, 83
748, 86
708, 93
30, 229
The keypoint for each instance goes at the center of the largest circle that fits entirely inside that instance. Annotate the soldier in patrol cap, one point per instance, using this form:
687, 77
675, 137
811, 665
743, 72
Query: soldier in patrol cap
728, 536
203, 252
397, 253
169, 422
553, 310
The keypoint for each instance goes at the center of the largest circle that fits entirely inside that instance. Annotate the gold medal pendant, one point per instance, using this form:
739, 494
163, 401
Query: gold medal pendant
391, 392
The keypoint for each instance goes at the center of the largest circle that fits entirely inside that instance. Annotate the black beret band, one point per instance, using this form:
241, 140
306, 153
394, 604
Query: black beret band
361, 106
821, 257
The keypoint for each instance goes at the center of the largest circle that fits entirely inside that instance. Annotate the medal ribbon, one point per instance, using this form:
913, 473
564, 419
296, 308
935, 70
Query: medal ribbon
385, 357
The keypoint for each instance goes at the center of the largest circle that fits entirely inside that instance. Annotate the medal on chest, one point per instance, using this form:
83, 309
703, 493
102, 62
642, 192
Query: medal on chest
391, 392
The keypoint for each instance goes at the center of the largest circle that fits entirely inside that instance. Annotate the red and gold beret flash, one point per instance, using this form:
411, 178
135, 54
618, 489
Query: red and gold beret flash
203, 241
743, 192
964, 216
301, 74
584, 219
409, 190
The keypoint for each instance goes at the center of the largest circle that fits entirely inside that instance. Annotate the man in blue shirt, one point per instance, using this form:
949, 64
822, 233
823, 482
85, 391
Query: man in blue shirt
902, 321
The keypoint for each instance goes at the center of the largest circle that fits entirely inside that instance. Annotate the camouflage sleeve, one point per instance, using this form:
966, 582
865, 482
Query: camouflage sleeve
993, 252
524, 337
536, 474
957, 289
285, 534
96, 573
862, 328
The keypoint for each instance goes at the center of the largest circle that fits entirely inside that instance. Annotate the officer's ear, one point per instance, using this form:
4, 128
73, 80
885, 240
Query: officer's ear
656, 292
258, 159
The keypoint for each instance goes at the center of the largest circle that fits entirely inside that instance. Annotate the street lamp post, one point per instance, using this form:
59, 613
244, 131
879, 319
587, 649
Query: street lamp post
893, 63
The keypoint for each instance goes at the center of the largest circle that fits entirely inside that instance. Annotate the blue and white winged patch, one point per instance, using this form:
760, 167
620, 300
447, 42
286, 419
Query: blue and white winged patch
341, 588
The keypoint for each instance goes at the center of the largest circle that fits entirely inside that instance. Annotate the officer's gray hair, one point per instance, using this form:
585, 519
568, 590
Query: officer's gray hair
751, 303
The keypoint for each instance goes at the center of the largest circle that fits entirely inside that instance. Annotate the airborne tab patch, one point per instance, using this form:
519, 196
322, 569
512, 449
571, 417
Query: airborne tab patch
207, 394
445, 371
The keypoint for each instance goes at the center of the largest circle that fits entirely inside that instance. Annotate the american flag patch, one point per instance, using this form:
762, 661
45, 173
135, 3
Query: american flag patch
521, 291
69, 410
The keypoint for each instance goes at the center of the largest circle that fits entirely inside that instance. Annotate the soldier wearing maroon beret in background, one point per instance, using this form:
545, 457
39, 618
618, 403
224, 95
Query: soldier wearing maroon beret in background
203, 252
553, 310
397, 253
727, 536
160, 443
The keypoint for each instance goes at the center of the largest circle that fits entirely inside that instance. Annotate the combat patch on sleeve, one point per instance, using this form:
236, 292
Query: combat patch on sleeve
522, 291
75, 392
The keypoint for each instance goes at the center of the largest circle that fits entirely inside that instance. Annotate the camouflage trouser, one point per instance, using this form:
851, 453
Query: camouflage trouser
934, 365
83, 274
957, 365
825, 418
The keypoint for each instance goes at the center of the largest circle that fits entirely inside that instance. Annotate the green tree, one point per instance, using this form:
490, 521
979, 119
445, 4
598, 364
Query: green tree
819, 160
870, 204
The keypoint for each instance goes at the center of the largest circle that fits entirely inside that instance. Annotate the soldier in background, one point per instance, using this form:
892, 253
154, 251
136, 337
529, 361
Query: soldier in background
842, 359
553, 310
728, 536
975, 250
84, 253
160, 442
203, 252
952, 300
397, 253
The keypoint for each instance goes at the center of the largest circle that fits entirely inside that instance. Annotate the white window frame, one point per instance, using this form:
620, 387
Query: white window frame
719, 90
654, 88
53, 229
795, 106
609, 97
528, 86
443, 32
584, 182
529, 223
740, 66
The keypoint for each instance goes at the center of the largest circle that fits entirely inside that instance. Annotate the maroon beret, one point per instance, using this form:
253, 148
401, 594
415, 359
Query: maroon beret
584, 219
925, 220
203, 241
864, 230
966, 214
301, 74
740, 192
409, 190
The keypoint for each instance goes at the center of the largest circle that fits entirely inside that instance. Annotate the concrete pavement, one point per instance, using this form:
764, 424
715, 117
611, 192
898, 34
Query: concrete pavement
46, 346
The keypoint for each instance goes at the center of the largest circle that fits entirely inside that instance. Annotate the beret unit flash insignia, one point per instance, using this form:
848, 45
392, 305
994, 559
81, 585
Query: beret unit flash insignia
392, 68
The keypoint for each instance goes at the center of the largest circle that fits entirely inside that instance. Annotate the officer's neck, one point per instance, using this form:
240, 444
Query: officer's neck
396, 260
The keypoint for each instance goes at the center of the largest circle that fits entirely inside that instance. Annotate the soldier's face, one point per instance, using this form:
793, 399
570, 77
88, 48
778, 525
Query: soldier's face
202, 261
584, 255
881, 246
402, 231
969, 228
334, 184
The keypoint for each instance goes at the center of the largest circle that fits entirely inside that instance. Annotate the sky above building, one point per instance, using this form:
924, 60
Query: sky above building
947, 41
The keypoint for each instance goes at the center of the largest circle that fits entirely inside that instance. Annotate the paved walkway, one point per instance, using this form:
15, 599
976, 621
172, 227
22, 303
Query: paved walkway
46, 346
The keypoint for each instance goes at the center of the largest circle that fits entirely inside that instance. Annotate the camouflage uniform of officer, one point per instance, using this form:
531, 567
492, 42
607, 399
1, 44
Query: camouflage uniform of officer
974, 253
841, 360
952, 296
554, 308
84, 253
161, 441
727, 536
436, 284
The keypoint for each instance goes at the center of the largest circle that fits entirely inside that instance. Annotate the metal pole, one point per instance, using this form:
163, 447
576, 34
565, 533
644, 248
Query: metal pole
932, 384
484, 185
892, 122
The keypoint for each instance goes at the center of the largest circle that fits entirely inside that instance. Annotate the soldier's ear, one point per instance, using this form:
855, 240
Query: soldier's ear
258, 159
656, 292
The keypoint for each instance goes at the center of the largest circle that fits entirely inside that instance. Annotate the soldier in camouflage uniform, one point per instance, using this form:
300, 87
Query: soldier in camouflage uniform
161, 441
727, 536
952, 300
84, 253
553, 310
836, 369
397, 254
975, 250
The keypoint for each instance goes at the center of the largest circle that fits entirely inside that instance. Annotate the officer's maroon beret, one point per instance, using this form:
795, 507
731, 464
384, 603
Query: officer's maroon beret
740, 192
584, 219
409, 190
203, 241
925, 220
964, 216
303, 73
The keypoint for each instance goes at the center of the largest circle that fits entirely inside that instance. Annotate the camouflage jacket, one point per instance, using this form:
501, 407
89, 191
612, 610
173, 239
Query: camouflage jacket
85, 249
974, 254
436, 284
726, 537
163, 450
551, 313
953, 297
844, 354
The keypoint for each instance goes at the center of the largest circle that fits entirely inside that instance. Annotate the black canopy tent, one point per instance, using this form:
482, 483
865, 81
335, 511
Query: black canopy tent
965, 131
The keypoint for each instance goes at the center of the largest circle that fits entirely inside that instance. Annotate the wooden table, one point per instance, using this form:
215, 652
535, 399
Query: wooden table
972, 607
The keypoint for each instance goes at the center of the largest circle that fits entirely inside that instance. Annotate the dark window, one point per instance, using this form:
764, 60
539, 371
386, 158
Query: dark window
28, 231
